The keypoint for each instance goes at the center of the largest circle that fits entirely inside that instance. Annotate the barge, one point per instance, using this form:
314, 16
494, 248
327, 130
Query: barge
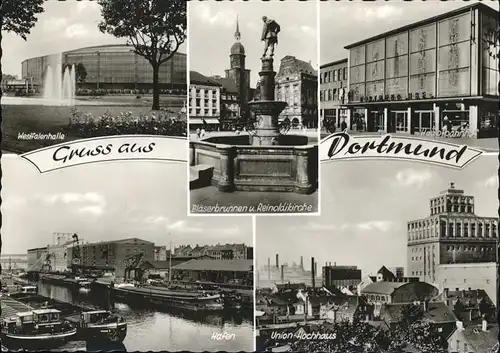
91, 324
197, 301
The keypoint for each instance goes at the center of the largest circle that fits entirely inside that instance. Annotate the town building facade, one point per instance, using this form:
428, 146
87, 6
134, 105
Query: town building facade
465, 276
333, 94
435, 74
452, 234
204, 102
297, 85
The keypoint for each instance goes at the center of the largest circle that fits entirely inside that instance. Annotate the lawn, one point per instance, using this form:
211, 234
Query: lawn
55, 119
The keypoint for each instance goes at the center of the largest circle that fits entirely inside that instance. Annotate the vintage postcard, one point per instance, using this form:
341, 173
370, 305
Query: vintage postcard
94, 263
73, 70
252, 107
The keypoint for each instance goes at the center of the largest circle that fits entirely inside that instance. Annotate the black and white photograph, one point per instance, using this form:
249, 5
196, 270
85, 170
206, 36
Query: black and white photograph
412, 69
402, 259
99, 258
80, 69
252, 107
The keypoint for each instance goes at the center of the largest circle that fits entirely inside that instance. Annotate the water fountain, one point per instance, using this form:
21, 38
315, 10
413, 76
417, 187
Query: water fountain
264, 160
58, 87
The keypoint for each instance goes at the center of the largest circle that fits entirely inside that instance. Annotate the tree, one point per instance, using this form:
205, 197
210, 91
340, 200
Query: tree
155, 28
19, 16
418, 331
80, 71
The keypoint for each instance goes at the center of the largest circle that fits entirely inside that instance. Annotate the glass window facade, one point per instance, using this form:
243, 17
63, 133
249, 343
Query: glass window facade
437, 59
113, 67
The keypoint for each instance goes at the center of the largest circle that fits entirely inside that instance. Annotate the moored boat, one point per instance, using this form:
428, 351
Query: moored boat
36, 329
198, 301
99, 325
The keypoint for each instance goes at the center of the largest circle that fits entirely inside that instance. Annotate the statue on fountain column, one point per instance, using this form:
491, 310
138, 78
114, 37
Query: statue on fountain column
270, 32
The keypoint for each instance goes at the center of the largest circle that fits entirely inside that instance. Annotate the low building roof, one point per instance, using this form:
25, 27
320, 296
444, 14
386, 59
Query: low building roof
196, 78
386, 288
235, 265
332, 63
227, 83
480, 340
436, 312
164, 264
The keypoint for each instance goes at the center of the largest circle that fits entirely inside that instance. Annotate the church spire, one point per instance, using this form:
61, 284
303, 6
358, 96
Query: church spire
237, 34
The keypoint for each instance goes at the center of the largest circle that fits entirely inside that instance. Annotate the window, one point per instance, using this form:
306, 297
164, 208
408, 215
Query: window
345, 73
334, 75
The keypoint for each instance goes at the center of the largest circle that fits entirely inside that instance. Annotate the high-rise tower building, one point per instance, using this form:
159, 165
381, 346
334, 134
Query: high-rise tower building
452, 234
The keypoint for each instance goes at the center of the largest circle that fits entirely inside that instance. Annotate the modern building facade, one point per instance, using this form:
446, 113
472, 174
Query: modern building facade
341, 276
297, 85
435, 74
113, 253
461, 277
333, 93
204, 101
111, 67
452, 234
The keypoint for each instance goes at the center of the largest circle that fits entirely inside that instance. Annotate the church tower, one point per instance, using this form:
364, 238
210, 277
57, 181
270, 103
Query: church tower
238, 73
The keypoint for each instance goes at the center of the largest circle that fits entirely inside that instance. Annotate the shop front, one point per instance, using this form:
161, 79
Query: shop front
473, 118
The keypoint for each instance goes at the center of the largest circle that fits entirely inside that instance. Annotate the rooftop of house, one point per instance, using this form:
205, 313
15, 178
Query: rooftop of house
386, 288
197, 78
482, 341
297, 66
436, 312
386, 274
227, 83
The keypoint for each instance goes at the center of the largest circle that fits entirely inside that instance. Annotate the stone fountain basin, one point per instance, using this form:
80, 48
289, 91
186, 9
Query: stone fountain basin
239, 166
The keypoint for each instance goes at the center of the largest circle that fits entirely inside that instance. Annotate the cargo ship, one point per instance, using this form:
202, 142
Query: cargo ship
191, 300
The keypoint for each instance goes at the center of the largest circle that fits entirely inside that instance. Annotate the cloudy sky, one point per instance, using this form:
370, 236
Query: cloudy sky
365, 209
212, 25
106, 201
64, 25
347, 22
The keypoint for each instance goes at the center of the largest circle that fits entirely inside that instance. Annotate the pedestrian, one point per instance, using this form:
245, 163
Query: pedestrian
343, 126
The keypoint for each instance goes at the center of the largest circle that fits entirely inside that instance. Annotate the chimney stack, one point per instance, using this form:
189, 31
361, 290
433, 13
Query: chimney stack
282, 274
335, 264
277, 261
313, 272
484, 326
301, 262
269, 268
330, 264
315, 268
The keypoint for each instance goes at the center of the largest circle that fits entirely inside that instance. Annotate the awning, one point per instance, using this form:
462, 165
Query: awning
201, 120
